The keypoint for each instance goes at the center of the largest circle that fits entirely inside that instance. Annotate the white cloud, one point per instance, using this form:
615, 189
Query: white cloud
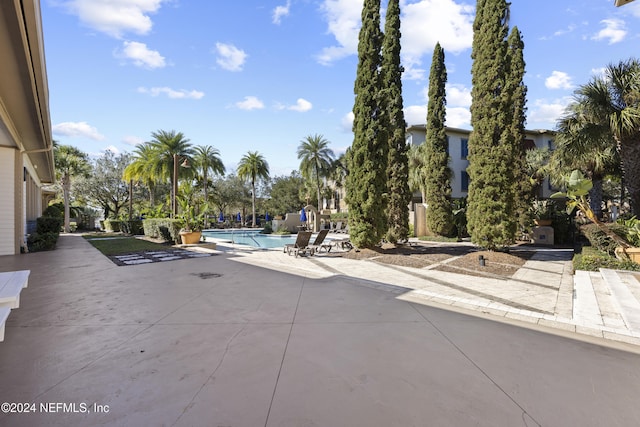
347, 122
458, 117
172, 93
112, 148
545, 113
141, 55
77, 129
302, 105
230, 57
426, 22
458, 95
132, 140
250, 103
115, 17
281, 11
343, 17
415, 114
614, 31
558, 80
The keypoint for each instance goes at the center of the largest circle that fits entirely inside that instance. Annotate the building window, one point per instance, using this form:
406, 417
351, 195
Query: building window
551, 145
464, 181
464, 148
447, 146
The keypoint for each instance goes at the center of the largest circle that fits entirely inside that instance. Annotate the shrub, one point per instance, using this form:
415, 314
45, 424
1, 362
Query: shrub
267, 228
48, 224
166, 229
592, 259
339, 216
563, 227
53, 211
132, 227
632, 226
601, 241
42, 241
112, 225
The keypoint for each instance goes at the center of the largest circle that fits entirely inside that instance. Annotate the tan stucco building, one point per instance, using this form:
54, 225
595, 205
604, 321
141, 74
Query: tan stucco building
26, 157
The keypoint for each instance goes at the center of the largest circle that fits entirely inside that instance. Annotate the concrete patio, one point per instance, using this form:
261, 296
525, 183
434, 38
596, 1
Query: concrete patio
216, 342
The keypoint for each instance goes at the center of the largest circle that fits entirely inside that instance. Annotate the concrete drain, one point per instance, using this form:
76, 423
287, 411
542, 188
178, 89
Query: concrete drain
207, 275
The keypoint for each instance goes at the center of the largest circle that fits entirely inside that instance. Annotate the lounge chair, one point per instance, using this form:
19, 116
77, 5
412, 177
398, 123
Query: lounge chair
318, 244
301, 244
336, 227
344, 230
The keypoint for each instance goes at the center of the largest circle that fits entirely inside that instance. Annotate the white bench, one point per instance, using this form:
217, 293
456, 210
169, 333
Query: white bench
4, 313
11, 284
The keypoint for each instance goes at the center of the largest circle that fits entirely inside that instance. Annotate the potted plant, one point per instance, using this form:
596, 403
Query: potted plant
191, 230
543, 212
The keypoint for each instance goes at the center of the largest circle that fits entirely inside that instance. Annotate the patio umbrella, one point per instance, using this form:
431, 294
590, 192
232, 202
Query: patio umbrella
238, 217
221, 217
267, 217
303, 216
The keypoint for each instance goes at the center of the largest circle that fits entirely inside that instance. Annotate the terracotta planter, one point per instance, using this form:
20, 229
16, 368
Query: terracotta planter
190, 237
543, 222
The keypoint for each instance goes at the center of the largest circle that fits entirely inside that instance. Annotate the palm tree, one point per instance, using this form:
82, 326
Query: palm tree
168, 148
208, 160
141, 169
610, 104
316, 159
253, 167
70, 162
338, 175
580, 145
417, 173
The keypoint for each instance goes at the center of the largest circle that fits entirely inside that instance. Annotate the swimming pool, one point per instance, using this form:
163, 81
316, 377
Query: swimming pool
251, 238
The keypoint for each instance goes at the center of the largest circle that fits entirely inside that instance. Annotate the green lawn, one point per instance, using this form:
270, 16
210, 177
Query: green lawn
115, 244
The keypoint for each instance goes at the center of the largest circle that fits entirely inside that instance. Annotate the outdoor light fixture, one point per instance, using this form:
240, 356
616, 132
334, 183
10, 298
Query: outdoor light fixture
174, 198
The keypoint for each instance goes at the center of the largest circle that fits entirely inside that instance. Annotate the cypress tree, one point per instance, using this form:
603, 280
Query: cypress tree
490, 213
398, 165
366, 183
523, 188
438, 173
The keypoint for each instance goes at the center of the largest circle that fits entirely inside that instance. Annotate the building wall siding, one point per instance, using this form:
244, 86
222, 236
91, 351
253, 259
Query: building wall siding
10, 203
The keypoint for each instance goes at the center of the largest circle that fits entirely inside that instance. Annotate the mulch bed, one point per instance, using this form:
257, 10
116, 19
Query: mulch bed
463, 259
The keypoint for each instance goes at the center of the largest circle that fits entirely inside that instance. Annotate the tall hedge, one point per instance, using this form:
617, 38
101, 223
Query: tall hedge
438, 174
398, 165
490, 214
366, 183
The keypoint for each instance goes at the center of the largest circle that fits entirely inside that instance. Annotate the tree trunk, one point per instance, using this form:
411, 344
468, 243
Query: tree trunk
66, 190
253, 203
630, 155
206, 199
595, 197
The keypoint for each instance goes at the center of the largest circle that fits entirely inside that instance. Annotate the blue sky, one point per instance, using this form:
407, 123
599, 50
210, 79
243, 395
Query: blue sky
261, 75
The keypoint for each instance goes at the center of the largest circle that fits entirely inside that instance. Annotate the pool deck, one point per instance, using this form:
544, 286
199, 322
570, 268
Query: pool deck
249, 337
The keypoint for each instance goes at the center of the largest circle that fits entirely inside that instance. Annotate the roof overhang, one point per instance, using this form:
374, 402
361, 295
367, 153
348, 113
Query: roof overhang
619, 3
25, 122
